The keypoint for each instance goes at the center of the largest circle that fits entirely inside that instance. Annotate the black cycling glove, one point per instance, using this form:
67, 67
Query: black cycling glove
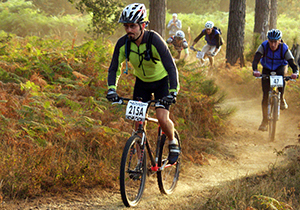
112, 95
169, 99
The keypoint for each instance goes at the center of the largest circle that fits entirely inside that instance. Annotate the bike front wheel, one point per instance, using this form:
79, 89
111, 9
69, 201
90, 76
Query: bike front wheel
273, 118
133, 171
167, 177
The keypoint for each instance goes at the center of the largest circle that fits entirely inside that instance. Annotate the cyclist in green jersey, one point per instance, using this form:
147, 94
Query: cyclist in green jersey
155, 70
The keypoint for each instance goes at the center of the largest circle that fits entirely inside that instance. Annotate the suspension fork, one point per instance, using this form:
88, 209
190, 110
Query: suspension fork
273, 93
269, 104
158, 143
140, 148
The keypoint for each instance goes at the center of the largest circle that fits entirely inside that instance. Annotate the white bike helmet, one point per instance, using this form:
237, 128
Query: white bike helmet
209, 24
180, 34
133, 13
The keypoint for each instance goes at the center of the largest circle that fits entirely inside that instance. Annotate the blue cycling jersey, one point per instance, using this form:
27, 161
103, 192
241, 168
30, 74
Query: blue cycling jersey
273, 59
212, 39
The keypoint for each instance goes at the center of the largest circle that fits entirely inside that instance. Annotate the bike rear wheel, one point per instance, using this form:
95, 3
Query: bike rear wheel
168, 177
132, 172
273, 118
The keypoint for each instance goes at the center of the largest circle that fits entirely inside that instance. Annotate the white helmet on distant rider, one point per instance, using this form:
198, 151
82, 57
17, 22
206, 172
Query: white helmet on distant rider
180, 34
209, 25
133, 13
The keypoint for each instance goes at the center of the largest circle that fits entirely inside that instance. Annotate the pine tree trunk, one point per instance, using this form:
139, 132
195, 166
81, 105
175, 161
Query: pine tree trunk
235, 33
262, 11
273, 14
157, 16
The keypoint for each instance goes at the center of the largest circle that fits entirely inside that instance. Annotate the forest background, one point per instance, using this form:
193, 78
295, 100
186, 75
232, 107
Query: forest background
58, 131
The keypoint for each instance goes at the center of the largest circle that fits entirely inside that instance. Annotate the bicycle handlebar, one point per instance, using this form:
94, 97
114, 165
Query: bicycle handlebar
197, 50
266, 76
122, 101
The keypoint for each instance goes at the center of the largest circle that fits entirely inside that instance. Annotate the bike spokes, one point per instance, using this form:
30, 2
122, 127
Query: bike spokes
168, 177
132, 172
273, 116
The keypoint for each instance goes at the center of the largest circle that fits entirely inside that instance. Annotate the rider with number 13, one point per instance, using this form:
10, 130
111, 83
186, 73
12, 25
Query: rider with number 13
274, 55
157, 75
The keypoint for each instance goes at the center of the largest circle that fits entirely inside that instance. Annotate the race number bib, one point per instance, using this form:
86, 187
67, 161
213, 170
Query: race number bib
136, 110
276, 81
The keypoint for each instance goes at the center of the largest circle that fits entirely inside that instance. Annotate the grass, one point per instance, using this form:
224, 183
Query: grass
278, 187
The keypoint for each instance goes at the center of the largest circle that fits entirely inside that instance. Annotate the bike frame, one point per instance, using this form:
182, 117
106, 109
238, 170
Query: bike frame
140, 130
154, 159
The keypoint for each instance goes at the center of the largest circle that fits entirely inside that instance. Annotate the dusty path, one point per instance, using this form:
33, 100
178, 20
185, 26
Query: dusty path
253, 154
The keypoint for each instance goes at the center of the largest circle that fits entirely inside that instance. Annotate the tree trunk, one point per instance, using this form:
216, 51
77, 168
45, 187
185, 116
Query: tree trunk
273, 14
262, 11
235, 33
157, 16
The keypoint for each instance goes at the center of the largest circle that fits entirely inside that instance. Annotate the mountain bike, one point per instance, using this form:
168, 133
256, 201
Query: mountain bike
134, 165
276, 81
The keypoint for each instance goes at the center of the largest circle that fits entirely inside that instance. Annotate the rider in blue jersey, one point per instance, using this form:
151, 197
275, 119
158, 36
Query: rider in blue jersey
274, 55
213, 39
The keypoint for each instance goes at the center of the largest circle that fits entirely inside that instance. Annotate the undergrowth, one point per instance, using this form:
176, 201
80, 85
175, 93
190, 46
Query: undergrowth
59, 133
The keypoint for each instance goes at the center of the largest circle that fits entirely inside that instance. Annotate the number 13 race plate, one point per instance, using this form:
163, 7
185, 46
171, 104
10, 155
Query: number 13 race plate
136, 110
276, 81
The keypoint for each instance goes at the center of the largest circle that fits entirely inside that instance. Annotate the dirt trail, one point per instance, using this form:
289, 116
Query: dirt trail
253, 154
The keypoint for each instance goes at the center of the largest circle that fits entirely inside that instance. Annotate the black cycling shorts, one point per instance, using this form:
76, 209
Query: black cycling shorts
145, 90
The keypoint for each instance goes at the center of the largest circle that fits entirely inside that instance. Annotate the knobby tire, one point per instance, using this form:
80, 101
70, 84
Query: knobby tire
167, 178
273, 118
132, 178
